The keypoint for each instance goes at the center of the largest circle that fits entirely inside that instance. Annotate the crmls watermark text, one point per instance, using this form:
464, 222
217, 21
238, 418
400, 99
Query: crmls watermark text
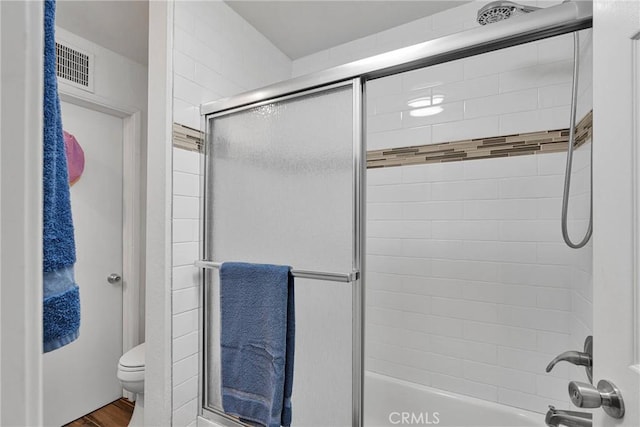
409, 418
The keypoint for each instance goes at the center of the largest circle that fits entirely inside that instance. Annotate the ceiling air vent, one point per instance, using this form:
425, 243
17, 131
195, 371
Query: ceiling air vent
74, 67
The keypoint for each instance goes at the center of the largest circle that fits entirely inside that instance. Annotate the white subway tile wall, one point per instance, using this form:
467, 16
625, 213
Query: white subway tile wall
216, 54
470, 287
513, 90
186, 285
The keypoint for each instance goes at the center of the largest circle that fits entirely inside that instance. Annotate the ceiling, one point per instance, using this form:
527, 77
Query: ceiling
118, 25
297, 27
302, 27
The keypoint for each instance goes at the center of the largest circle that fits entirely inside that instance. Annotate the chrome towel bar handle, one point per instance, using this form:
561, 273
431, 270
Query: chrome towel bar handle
304, 274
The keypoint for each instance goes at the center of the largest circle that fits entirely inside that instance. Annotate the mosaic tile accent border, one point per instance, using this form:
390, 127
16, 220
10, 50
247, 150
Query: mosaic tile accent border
550, 141
187, 138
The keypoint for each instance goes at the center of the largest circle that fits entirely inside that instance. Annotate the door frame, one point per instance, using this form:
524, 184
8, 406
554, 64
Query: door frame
21, 77
131, 204
616, 210
635, 41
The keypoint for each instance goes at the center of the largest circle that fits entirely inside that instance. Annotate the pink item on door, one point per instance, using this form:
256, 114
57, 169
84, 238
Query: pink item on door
75, 157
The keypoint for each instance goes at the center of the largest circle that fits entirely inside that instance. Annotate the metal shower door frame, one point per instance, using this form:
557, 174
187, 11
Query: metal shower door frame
548, 22
357, 262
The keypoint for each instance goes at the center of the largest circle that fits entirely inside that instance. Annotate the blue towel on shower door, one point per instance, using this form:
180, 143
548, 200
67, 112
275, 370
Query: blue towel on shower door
61, 305
257, 342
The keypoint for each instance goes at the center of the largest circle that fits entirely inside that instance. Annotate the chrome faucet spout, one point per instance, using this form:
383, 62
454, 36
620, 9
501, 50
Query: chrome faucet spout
556, 418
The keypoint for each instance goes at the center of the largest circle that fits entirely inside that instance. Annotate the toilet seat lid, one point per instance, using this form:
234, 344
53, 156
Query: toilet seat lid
134, 358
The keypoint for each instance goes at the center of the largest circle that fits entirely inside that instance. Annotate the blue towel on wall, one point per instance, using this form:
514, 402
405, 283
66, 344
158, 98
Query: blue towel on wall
257, 342
61, 305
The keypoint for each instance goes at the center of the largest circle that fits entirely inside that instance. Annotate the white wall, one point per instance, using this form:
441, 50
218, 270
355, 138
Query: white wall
581, 267
216, 54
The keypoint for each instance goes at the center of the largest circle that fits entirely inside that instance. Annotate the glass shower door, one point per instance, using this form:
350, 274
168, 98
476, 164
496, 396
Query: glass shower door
282, 184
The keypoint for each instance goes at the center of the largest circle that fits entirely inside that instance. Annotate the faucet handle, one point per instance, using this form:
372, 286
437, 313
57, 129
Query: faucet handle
579, 358
576, 357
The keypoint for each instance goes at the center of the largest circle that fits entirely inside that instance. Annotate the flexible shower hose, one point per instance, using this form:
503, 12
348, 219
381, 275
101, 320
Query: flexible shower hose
567, 175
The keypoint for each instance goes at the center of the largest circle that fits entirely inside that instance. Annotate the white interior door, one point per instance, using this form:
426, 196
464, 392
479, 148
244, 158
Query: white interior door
615, 245
81, 376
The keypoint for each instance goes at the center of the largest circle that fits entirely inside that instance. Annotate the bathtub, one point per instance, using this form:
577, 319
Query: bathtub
392, 402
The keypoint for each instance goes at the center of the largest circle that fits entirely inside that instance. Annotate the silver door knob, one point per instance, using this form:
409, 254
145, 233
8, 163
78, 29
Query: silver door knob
114, 278
607, 395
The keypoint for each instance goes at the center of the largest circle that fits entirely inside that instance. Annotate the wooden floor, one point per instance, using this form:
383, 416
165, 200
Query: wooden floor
115, 414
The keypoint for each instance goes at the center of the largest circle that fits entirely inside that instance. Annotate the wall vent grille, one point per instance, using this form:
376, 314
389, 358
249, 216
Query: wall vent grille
74, 66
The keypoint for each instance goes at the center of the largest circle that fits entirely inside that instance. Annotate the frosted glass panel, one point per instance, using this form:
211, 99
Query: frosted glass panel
280, 190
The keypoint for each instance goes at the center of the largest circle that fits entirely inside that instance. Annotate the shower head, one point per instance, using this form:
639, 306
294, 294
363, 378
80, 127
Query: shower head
501, 10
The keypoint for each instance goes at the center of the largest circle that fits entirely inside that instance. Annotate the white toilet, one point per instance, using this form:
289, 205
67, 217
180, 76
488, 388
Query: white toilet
131, 375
